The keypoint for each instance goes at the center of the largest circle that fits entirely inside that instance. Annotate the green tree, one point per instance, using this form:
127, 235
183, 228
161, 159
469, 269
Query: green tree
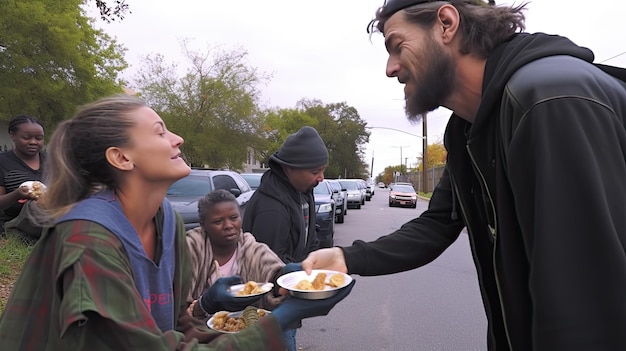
339, 125
388, 175
345, 135
52, 59
212, 105
278, 124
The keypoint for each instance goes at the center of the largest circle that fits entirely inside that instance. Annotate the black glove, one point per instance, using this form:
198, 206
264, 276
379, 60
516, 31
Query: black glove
218, 298
294, 309
288, 268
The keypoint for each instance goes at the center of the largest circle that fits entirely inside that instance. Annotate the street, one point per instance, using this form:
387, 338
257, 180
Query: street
435, 307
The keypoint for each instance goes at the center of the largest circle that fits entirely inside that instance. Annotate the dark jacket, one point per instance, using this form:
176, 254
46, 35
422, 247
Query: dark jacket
538, 180
274, 215
13, 172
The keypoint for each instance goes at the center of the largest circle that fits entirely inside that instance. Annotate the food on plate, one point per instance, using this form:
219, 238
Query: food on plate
221, 321
304, 285
336, 280
250, 288
316, 285
35, 188
252, 315
224, 321
319, 282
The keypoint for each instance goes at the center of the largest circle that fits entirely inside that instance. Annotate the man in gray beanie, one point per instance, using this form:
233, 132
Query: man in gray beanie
281, 213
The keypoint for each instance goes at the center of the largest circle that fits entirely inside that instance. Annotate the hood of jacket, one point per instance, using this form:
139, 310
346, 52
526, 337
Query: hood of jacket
509, 57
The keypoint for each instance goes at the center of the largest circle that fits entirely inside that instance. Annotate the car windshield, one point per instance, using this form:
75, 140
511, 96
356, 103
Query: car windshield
349, 185
335, 186
321, 189
190, 186
403, 189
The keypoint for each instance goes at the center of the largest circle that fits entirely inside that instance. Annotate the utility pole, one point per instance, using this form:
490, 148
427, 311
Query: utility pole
425, 147
400, 161
372, 166
424, 156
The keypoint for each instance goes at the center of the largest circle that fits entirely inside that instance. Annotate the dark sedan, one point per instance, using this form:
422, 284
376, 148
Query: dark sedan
324, 214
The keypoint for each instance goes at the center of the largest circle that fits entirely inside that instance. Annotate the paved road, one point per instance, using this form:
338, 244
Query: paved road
436, 307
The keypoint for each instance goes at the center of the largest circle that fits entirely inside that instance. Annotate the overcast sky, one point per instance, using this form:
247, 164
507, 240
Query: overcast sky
320, 50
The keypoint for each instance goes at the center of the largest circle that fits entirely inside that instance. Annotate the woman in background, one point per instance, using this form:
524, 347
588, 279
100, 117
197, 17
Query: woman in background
24, 163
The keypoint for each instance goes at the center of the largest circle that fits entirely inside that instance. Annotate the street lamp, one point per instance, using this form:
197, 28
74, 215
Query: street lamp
424, 145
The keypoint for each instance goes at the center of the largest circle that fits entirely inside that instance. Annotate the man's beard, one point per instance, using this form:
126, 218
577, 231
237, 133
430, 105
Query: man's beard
434, 84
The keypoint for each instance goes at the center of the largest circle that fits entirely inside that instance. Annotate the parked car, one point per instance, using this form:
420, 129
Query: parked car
253, 179
403, 195
369, 191
391, 185
324, 214
185, 193
363, 186
381, 185
341, 203
356, 197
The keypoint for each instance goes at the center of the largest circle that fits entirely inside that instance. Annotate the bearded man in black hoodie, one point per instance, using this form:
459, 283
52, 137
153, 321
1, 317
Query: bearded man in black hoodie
536, 172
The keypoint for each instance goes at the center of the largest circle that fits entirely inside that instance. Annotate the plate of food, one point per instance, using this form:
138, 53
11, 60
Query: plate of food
321, 284
35, 187
250, 289
234, 322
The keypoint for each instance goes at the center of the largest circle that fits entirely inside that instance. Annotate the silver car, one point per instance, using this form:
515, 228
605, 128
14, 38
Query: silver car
356, 196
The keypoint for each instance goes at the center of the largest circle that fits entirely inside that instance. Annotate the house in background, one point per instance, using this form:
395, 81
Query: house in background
252, 165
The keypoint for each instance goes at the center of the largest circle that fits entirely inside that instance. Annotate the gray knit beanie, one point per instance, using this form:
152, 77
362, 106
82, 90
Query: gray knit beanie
303, 149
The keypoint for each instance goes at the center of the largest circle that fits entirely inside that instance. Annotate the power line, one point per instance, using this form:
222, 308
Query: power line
398, 130
610, 58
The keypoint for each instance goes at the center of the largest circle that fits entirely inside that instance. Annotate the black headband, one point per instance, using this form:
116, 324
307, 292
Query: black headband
392, 6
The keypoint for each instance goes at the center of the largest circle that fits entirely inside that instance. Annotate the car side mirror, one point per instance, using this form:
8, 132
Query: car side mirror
235, 192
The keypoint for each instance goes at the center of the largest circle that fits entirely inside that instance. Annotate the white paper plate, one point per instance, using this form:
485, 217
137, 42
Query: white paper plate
237, 314
265, 287
29, 184
290, 280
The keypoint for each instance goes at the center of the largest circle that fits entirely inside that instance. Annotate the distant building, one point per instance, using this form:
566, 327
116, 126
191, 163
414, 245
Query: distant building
252, 165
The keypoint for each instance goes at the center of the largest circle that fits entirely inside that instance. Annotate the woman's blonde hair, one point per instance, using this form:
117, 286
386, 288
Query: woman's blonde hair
76, 165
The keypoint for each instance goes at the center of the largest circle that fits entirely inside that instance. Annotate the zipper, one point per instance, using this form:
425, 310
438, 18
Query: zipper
478, 266
492, 229
493, 232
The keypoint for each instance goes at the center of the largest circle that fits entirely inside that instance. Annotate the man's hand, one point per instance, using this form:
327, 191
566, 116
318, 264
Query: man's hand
331, 259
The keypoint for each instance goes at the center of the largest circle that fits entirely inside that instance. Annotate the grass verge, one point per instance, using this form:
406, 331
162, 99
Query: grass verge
14, 250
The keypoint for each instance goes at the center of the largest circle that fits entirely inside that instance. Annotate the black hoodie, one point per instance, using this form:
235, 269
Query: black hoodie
538, 180
274, 215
